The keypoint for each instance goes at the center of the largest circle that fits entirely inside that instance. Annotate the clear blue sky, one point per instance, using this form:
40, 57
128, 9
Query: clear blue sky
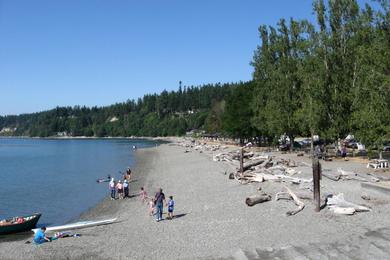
71, 52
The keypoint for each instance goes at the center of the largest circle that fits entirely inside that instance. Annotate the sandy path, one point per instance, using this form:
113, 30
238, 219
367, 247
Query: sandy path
214, 221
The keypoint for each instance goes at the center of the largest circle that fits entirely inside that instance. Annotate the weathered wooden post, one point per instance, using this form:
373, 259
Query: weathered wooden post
316, 183
242, 161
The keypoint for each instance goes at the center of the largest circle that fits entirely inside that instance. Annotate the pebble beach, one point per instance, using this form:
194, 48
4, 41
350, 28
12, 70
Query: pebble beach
212, 221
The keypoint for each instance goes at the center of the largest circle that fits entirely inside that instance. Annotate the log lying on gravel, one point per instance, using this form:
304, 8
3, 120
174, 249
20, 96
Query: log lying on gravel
299, 203
293, 179
253, 200
345, 175
286, 196
339, 205
378, 177
331, 176
253, 164
261, 177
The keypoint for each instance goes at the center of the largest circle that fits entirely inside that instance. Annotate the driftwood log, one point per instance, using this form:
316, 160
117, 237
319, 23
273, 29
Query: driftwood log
255, 199
299, 203
331, 176
286, 196
252, 164
261, 177
345, 175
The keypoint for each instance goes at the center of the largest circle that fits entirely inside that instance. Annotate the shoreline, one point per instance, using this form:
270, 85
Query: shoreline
157, 138
212, 220
109, 209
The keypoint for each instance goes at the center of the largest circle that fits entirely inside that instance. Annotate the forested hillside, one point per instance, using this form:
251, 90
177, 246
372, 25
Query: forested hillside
167, 113
331, 78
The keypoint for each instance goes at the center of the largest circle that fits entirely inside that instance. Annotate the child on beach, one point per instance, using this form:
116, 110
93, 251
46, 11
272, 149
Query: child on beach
143, 194
151, 207
119, 188
111, 186
171, 205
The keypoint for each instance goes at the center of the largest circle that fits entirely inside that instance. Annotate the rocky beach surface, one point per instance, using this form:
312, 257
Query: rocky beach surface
212, 220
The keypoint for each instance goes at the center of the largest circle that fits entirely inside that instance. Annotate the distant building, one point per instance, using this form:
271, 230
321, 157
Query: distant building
114, 119
194, 132
7, 130
62, 134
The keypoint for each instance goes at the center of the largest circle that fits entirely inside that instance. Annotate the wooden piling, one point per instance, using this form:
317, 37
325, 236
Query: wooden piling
242, 161
316, 183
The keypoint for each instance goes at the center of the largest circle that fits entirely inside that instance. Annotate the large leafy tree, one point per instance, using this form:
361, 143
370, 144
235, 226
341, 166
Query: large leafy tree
236, 119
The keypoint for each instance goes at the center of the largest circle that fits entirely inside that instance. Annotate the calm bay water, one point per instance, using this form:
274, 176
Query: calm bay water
58, 177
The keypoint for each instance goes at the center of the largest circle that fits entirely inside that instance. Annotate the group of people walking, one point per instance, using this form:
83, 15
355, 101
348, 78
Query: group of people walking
155, 204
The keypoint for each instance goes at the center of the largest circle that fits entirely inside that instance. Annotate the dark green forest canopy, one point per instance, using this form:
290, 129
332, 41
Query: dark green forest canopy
167, 113
331, 78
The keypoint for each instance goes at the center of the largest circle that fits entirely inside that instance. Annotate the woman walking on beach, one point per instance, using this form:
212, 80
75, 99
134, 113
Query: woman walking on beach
111, 186
159, 201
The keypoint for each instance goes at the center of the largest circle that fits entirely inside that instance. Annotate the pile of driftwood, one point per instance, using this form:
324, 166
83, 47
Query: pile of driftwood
191, 144
336, 203
260, 168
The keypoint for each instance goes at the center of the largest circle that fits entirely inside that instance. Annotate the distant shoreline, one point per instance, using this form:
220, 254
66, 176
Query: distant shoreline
164, 139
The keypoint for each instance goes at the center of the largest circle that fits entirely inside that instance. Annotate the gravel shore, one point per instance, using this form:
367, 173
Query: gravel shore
212, 219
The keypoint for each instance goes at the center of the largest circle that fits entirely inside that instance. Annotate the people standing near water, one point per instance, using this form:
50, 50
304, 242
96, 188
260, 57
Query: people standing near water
119, 188
171, 205
159, 199
143, 194
40, 236
126, 188
112, 187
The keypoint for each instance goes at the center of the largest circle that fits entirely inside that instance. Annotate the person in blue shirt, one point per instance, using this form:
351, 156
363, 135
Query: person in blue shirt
40, 236
171, 205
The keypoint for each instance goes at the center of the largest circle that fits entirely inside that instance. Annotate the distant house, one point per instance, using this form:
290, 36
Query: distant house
211, 136
62, 134
194, 132
114, 119
7, 130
